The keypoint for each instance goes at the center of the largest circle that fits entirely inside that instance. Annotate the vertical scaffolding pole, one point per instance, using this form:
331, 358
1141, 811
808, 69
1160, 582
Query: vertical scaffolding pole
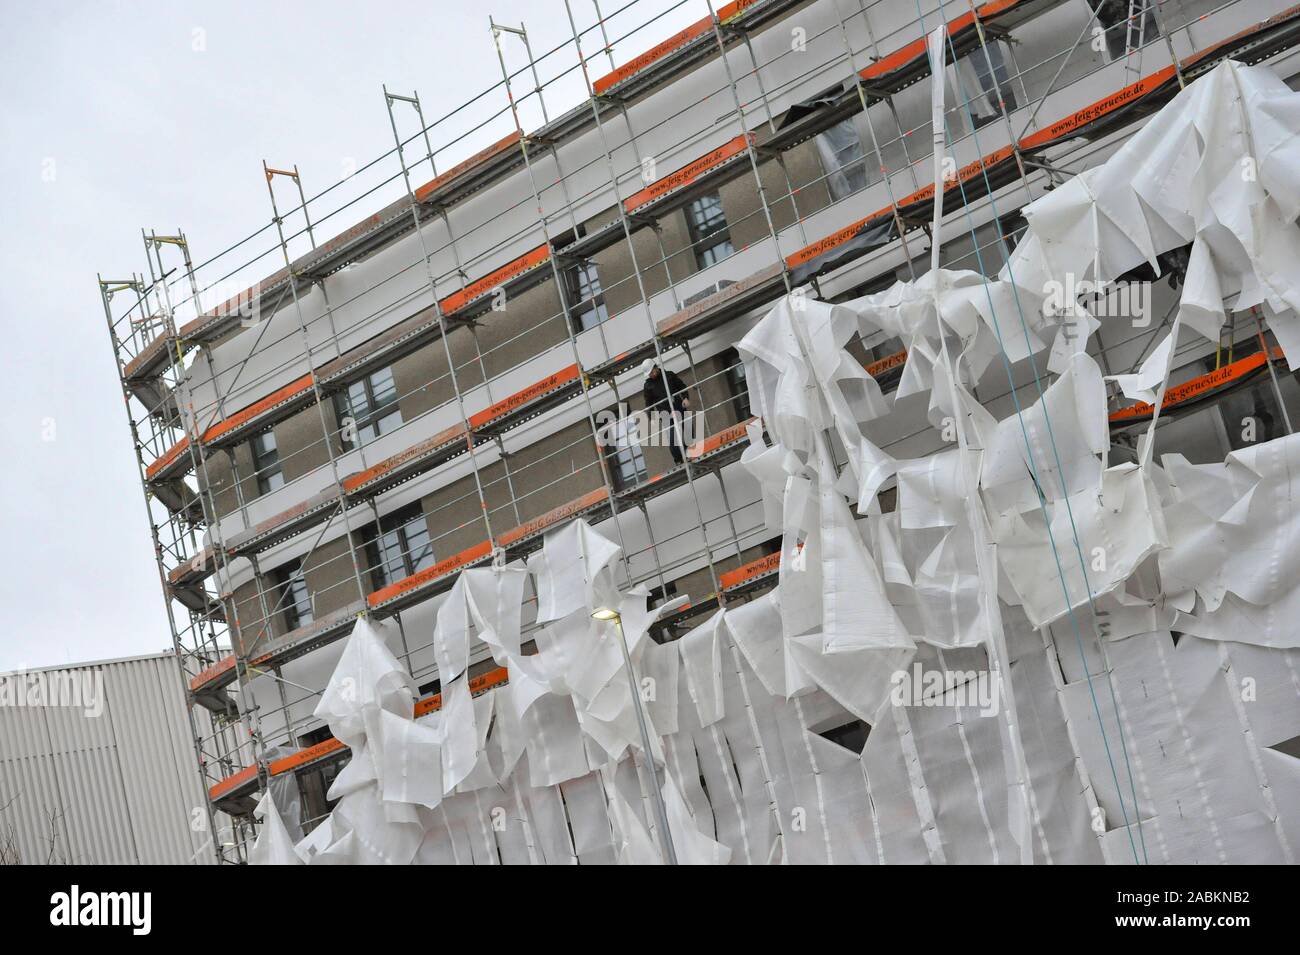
442, 321
153, 251
306, 344
107, 289
645, 298
562, 292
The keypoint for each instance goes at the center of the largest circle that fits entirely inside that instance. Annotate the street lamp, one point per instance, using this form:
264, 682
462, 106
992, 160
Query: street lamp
665, 836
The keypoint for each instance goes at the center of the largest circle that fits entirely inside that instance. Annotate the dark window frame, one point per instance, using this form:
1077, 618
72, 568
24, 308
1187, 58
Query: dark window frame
733, 373
704, 227
626, 465
267, 466
390, 543
293, 599
376, 419
586, 295
853, 168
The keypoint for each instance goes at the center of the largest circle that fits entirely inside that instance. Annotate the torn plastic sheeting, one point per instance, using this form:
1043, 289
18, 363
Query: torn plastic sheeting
1215, 166
815, 103
412, 760
692, 846
451, 635
701, 652
571, 571
856, 614
1060, 791
944, 603
1118, 525
1201, 795
274, 846
1235, 542
1068, 436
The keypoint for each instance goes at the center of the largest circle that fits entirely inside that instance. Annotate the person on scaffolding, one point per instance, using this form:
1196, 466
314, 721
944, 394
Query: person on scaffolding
659, 406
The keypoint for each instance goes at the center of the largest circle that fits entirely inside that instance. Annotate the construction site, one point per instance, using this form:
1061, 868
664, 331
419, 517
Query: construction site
612, 459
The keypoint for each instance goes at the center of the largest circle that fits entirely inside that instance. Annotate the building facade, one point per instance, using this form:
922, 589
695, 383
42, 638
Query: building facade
435, 386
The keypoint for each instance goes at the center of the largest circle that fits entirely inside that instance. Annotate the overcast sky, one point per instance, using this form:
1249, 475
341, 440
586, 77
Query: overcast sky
118, 115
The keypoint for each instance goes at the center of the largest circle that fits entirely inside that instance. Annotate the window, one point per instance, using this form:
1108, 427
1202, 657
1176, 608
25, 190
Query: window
293, 600
399, 546
734, 373
367, 408
710, 235
266, 462
621, 444
661, 595
991, 71
586, 297
840, 149
626, 466
316, 781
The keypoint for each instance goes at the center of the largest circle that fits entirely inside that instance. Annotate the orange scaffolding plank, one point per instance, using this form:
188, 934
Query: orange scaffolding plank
511, 270
681, 38
737, 432
688, 174
522, 397
423, 193
447, 436
747, 572
168, 459
553, 516
420, 578
1198, 387
247, 414
211, 673
1080, 118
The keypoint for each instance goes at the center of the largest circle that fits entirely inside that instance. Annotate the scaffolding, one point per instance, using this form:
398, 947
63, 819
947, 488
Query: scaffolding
497, 271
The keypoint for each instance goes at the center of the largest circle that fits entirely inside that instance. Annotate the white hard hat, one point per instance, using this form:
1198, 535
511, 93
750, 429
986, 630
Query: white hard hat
647, 367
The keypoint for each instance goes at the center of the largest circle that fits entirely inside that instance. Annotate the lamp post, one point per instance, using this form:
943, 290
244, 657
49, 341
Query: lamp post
665, 836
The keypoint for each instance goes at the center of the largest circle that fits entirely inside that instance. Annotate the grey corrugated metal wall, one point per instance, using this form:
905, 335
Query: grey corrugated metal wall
121, 787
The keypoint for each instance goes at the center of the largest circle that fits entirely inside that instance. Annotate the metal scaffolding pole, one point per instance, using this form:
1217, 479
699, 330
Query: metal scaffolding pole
442, 322
645, 298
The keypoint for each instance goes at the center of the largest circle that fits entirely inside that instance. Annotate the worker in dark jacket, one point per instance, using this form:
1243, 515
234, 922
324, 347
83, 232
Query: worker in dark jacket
658, 403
